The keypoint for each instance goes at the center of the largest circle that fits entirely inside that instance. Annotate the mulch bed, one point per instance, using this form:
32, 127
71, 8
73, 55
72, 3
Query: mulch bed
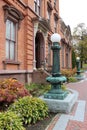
41, 125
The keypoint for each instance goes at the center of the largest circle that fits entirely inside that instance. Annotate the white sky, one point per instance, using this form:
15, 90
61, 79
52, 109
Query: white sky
73, 12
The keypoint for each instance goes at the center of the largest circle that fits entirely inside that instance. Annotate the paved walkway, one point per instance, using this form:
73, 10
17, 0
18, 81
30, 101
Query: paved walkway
77, 119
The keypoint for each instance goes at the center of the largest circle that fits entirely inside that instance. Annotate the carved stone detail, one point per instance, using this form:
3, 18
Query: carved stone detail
13, 13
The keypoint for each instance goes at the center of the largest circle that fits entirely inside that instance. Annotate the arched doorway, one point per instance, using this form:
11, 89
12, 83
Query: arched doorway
39, 50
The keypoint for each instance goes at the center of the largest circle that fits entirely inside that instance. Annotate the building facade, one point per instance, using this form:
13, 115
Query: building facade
25, 30
66, 46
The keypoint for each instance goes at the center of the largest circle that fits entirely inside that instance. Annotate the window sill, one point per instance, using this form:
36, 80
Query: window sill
6, 62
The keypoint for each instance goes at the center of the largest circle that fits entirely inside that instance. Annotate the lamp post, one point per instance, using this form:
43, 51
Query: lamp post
79, 76
56, 79
78, 65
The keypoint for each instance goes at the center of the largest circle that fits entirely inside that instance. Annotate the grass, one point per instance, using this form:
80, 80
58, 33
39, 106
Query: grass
84, 66
72, 80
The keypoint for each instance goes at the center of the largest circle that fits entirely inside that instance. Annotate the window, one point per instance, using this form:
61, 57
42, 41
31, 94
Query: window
69, 59
12, 18
48, 16
10, 39
55, 26
54, 2
62, 49
55, 21
49, 54
37, 6
49, 10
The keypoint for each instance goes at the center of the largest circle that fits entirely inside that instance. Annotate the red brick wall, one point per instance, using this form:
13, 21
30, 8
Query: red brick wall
2, 35
20, 44
25, 33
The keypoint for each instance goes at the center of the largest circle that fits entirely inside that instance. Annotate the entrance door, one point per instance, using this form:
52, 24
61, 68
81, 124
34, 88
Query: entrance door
39, 43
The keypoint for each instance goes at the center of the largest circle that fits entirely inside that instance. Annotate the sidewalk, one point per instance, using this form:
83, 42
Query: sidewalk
77, 119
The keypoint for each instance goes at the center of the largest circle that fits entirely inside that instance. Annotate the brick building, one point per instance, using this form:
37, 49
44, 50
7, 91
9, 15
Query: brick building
25, 30
66, 45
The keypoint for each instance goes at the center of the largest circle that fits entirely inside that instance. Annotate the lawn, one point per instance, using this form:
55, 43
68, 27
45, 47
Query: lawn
85, 66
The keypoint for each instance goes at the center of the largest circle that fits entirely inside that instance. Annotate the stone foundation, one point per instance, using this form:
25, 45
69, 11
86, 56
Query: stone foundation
65, 105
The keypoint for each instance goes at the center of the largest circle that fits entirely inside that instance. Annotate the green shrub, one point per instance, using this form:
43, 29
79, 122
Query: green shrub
68, 72
72, 79
10, 121
11, 89
30, 109
37, 89
64, 87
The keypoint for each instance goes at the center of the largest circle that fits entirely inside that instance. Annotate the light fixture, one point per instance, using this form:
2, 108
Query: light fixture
77, 58
55, 37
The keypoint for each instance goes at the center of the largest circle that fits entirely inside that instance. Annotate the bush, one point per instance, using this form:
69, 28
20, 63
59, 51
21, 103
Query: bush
11, 89
72, 79
68, 72
64, 87
37, 89
30, 109
10, 121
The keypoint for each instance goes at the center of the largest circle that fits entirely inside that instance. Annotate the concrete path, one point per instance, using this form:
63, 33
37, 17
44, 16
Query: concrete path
77, 119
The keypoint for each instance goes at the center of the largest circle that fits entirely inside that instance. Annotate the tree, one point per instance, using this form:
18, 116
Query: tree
80, 36
82, 49
80, 30
73, 59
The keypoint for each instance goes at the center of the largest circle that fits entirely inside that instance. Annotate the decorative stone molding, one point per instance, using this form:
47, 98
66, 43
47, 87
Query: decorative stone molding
13, 13
50, 8
56, 17
6, 62
42, 22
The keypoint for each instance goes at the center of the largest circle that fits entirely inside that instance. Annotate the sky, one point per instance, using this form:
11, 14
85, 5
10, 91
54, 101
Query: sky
73, 12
